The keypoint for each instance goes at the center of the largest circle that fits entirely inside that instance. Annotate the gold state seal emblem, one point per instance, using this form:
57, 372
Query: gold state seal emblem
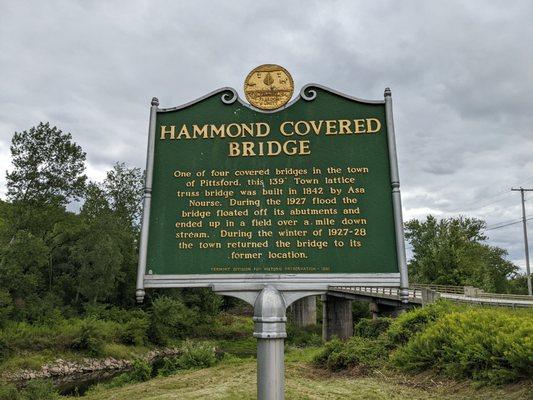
268, 87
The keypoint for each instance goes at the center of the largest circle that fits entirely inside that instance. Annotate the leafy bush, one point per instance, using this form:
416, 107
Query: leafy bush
82, 334
197, 355
90, 338
229, 326
371, 328
309, 336
141, 372
168, 366
9, 392
355, 352
39, 390
194, 355
170, 319
360, 310
408, 324
4, 347
483, 344
135, 331
6, 306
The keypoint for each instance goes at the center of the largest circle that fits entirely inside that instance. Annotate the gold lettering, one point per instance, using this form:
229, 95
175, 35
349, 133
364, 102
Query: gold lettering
271, 144
236, 133
196, 131
217, 131
247, 149
331, 127
234, 149
165, 131
316, 128
282, 128
300, 132
184, 132
344, 127
359, 126
369, 128
260, 125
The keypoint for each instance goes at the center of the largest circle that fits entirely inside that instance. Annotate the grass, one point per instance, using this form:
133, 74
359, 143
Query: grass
235, 379
36, 359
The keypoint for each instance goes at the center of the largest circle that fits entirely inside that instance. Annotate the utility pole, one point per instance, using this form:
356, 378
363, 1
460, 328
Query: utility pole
524, 223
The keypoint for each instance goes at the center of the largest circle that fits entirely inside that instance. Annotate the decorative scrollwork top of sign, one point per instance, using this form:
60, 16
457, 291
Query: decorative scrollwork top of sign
229, 98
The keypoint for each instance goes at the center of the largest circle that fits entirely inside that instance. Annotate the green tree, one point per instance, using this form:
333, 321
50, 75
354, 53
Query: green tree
452, 252
123, 187
48, 166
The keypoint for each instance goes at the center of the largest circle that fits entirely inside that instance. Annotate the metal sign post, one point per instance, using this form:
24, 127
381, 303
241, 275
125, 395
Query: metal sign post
270, 305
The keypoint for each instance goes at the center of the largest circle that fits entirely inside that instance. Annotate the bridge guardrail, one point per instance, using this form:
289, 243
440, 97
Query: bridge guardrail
415, 291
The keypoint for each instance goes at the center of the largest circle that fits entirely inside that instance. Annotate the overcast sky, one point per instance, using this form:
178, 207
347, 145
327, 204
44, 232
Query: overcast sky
461, 74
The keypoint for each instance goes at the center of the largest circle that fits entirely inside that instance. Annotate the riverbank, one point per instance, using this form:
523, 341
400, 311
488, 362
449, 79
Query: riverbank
235, 379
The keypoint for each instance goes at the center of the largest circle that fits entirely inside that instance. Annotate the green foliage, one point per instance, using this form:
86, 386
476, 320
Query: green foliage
483, 344
6, 306
88, 335
168, 366
135, 331
4, 347
360, 310
357, 351
451, 252
371, 328
123, 187
99, 259
203, 302
48, 166
9, 392
408, 324
90, 338
141, 372
309, 336
170, 319
193, 355
229, 326
39, 390
197, 355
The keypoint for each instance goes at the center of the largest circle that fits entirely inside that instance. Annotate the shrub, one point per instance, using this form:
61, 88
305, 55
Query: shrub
308, 336
355, 352
170, 319
168, 366
197, 355
228, 326
135, 331
90, 337
483, 344
360, 310
371, 328
410, 323
4, 347
141, 372
39, 390
6, 306
8, 392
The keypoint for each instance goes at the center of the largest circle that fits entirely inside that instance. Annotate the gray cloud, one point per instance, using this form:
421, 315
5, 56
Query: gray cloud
461, 74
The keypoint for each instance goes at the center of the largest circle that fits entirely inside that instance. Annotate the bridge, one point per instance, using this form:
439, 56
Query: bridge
337, 303
424, 294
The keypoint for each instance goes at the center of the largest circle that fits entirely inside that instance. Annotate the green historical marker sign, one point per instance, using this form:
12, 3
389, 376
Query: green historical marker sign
304, 195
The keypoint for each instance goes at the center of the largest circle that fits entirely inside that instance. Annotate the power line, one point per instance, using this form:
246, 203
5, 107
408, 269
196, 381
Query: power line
468, 206
508, 224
